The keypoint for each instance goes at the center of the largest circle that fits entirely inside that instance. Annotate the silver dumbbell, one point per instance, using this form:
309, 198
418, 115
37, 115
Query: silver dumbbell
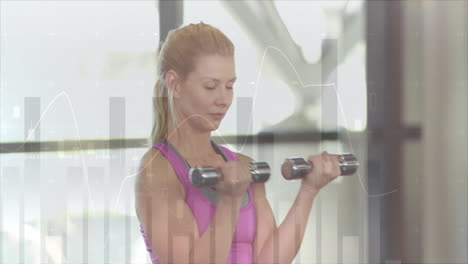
209, 176
296, 167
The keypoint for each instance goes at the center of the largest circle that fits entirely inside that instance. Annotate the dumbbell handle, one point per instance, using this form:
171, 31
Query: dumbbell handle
296, 167
209, 176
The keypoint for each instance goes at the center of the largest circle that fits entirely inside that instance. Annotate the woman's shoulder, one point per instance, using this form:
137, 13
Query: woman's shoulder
152, 159
155, 171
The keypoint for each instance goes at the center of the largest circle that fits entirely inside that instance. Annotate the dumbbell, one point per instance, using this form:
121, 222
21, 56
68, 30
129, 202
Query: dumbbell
296, 167
209, 176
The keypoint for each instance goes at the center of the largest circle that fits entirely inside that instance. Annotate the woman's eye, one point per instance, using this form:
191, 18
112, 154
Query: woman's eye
210, 88
229, 87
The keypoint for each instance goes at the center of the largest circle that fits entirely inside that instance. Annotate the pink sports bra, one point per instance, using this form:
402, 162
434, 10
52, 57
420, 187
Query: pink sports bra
203, 206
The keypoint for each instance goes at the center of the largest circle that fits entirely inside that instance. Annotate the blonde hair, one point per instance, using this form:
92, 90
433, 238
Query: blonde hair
179, 53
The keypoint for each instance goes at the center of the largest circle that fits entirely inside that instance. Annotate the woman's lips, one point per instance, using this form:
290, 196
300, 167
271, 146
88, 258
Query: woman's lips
217, 116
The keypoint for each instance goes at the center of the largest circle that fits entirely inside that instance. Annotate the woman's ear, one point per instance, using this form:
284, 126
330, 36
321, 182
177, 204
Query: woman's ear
172, 83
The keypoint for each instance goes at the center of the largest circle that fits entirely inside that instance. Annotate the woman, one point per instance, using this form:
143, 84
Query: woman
232, 222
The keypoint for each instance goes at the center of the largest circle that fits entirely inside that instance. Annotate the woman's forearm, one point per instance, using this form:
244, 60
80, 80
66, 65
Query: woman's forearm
289, 235
221, 229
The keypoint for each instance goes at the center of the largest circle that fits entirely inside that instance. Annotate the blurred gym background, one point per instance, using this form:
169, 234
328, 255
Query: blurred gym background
385, 80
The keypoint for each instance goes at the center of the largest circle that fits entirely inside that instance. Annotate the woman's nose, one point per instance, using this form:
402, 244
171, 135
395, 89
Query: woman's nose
224, 97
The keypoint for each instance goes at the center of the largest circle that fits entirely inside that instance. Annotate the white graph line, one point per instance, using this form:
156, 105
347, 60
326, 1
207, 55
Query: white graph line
309, 85
250, 124
63, 93
250, 119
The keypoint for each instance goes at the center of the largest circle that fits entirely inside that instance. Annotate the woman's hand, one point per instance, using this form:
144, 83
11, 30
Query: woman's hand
325, 168
235, 178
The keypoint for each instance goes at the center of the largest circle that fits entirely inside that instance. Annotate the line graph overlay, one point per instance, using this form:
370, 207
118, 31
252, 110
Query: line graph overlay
258, 79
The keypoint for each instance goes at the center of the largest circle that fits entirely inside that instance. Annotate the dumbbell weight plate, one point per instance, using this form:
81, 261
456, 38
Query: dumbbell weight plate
295, 168
203, 176
260, 171
348, 164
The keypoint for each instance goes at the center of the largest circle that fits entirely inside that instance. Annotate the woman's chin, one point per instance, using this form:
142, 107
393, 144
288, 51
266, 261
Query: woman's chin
214, 125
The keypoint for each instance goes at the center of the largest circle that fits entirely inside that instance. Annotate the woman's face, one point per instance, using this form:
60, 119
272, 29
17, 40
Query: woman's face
206, 94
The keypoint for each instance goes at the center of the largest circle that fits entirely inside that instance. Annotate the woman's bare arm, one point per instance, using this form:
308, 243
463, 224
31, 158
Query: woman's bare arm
289, 235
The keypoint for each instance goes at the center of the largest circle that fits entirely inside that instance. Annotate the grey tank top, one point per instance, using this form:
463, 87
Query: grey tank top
210, 193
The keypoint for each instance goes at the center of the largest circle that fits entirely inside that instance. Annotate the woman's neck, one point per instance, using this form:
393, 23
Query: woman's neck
192, 144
